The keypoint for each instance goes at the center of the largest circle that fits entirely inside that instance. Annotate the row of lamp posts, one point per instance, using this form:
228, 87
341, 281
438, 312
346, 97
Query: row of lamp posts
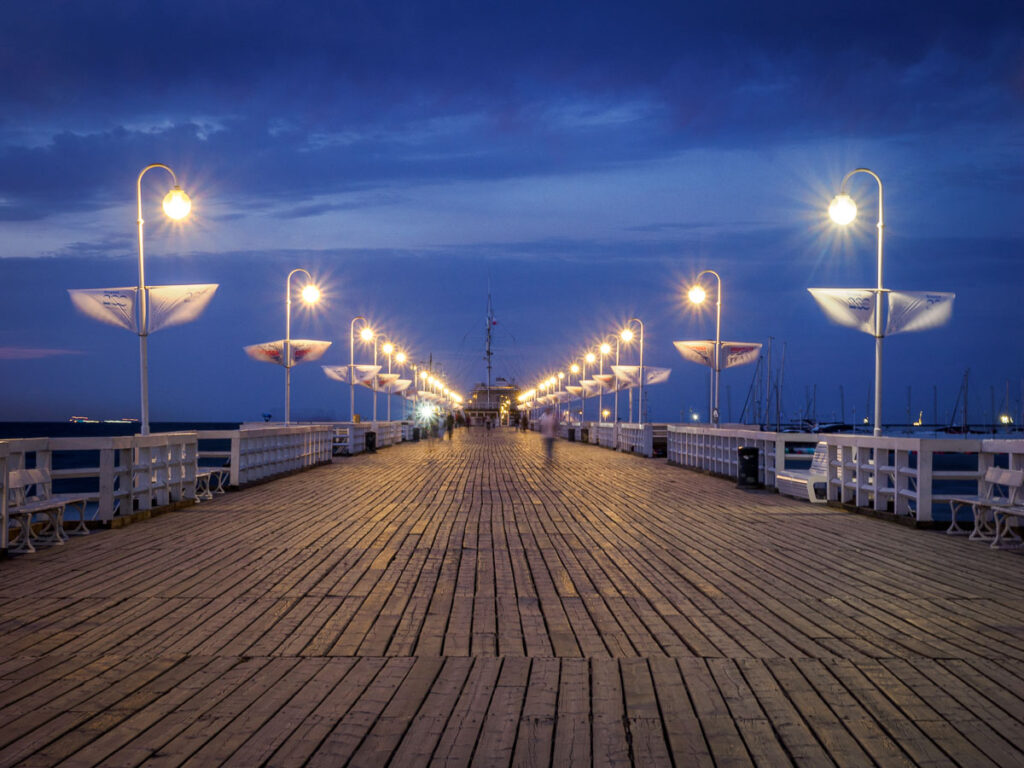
177, 205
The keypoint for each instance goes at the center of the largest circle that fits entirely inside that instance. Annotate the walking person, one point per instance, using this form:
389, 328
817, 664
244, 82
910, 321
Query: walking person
548, 426
449, 425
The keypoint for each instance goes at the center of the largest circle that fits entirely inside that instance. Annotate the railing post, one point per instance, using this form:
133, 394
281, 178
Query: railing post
924, 482
3, 501
236, 457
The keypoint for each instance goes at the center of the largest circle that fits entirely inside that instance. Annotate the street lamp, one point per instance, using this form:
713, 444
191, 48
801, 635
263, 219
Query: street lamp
590, 358
388, 349
697, 294
627, 336
366, 334
310, 295
177, 206
605, 348
843, 210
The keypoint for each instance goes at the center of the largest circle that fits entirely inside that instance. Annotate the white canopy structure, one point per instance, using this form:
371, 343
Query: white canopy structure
168, 305
733, 352
629, 375
303, 351
360, 373
907, 310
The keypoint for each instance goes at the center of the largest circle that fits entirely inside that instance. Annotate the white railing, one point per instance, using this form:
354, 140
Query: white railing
608, 434
115, 475
715, 450
636, 438
388, 432
908, 476
257, 452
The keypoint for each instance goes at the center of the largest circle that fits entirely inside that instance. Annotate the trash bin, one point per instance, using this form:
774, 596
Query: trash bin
371, 441
415, 433
746, 476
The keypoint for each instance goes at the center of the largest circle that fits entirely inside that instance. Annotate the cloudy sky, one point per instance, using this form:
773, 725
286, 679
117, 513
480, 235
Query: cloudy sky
584, 160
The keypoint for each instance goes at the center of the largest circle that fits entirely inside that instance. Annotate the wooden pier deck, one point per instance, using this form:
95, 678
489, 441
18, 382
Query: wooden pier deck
464, 603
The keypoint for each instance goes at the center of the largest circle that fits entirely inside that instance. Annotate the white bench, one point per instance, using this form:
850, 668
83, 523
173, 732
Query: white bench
29, 497
210, 481
1006, 518
811, 483
1002, 488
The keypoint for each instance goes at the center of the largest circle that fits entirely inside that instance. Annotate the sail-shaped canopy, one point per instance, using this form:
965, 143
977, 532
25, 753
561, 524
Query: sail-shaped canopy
303, 351
168, 304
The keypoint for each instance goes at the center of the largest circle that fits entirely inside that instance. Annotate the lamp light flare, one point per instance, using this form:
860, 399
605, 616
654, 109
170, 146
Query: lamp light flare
574, 368
387, 348
606, 349
310, 293
697, 294
842, 210
591, 357
400, 358
366, 334
177, 204
627, 335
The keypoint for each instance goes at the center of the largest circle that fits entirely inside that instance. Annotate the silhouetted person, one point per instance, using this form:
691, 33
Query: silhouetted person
548, 425
449, 424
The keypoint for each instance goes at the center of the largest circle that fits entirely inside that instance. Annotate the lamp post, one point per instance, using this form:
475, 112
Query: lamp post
697, 294
842, 211
310, 295
388, 349
589, 359
604, 349
176, 205
574, 369
400, 358
627, 336
366, 333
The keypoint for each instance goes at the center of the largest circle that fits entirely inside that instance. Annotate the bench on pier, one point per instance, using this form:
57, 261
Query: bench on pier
811, 483
1002, 491
31, 502
211, 481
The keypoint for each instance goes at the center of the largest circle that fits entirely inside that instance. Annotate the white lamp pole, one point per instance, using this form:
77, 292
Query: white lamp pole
843, 210
388, 348
176, 205
352, 363
310, 294
697, 295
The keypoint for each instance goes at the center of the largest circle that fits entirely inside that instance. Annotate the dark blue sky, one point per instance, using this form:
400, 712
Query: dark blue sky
586, 159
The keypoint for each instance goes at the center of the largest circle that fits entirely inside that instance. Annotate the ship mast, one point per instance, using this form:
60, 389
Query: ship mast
487, 352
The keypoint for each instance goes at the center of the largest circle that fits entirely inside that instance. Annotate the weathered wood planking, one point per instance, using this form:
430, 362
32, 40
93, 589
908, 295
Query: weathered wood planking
468, 603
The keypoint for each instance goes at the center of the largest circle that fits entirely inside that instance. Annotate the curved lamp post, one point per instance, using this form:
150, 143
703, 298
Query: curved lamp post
388, 349
627, 336
842, 211
604, 348
697, 294
177, 206
310, 295
366, 333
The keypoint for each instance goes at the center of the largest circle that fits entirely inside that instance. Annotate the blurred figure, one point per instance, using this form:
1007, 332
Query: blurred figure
548, 426
449, 425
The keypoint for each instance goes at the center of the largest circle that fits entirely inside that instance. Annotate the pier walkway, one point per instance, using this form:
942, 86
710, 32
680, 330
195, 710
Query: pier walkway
464, 603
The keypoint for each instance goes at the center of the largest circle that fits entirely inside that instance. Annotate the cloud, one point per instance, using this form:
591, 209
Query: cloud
29, 353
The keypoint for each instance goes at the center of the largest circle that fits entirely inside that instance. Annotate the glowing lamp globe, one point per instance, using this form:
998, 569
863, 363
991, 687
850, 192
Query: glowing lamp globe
177, 204
842, 210
400, 358
574, 368
366, 334
310, 294
697, 294
606, 349
591, 357
387, 348
627, 335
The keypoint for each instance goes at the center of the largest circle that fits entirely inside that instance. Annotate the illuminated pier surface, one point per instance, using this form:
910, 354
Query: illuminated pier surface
465, 603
